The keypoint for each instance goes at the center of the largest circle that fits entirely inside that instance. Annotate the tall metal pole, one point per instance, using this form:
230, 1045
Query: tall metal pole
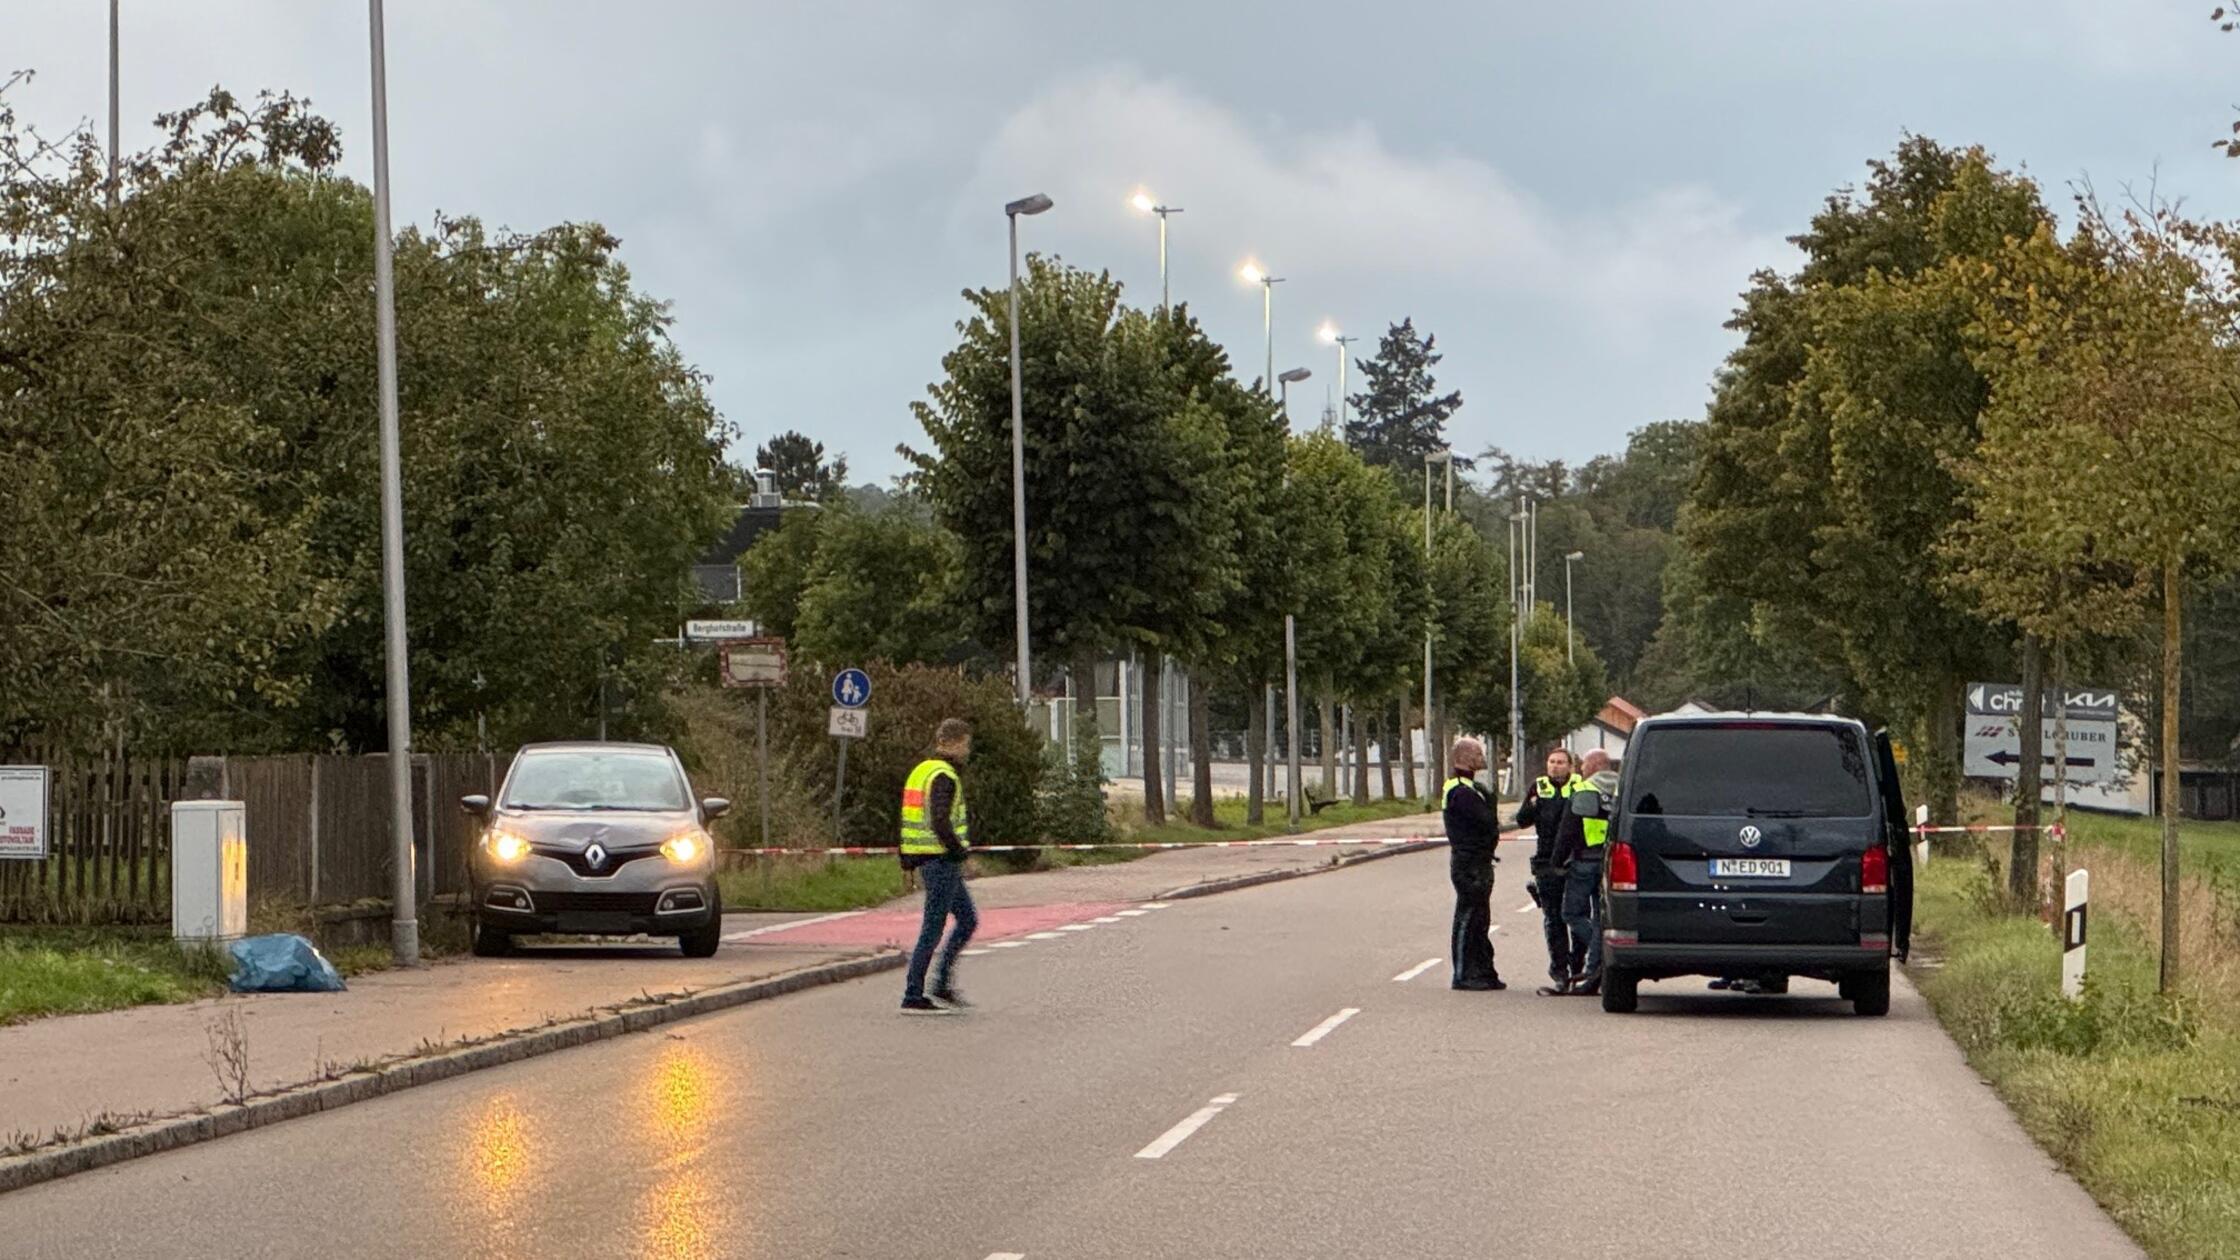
1430, 728
1268, 324
1516, 630
404, 922
1291, 714
1018, 484
1342, 342
1164, 307
113, 191
1570, 633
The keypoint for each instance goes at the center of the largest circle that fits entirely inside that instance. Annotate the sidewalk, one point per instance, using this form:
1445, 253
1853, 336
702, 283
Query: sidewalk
74, 1071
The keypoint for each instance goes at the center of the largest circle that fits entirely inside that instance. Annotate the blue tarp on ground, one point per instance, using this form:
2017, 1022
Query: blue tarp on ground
282, 963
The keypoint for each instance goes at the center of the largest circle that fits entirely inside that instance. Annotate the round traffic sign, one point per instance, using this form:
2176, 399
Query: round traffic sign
851, 688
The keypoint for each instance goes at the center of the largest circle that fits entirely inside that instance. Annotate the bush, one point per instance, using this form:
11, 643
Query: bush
1072, 808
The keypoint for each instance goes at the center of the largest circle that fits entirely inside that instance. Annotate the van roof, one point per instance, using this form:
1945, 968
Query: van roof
1731, 717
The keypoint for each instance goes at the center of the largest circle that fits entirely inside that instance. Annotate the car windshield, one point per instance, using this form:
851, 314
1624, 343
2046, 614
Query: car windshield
1767, 770
595, 780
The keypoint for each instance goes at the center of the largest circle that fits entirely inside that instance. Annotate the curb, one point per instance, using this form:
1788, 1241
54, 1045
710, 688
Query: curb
1235, 882
32, 1168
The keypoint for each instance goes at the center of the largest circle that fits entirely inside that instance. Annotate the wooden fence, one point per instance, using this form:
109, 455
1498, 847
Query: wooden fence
319, 831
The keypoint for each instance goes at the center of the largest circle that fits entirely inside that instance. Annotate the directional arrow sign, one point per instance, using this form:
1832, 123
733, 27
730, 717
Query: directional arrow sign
1991, 747
2005, 758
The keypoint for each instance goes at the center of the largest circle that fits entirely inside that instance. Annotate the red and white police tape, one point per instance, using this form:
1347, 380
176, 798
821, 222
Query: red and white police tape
858, 850
2055, 829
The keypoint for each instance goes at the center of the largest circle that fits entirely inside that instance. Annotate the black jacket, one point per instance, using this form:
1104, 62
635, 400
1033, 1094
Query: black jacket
1544, 814
1472, 826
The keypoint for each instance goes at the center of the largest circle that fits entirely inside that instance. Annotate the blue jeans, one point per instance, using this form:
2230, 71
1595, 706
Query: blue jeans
1582, 914
946, 895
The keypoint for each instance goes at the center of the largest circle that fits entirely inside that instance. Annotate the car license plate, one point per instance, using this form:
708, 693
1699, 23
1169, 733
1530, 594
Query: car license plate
1749, 868
592, 923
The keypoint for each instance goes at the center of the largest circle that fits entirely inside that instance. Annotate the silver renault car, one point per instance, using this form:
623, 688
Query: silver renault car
596, 840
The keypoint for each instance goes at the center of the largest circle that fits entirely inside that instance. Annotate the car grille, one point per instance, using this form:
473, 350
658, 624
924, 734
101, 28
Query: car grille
595, 902
616, 860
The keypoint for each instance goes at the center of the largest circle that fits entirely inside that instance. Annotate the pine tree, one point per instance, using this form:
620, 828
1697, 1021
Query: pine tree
1400, 418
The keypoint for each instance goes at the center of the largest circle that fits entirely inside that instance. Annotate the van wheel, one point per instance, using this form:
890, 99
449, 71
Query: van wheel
489, 942
1869, 992
1621, 990
703, 941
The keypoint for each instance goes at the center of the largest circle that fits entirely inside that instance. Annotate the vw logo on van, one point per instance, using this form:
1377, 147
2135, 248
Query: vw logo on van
1751, 836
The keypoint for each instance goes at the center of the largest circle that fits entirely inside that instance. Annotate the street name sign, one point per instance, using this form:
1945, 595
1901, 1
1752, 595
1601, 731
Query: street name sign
720, 631
23, 812
1992, 745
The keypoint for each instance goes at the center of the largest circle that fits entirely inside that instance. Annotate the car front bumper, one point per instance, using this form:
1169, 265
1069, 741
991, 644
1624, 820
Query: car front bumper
541, 895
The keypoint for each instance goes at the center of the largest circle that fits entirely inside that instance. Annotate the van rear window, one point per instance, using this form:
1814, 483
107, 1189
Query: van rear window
1766, 770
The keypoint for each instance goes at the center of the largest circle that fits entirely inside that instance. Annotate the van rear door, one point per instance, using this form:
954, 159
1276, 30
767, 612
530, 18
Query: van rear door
1750, 831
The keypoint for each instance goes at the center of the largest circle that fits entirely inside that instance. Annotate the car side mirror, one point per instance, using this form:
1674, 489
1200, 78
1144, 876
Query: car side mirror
713, 807
477, 805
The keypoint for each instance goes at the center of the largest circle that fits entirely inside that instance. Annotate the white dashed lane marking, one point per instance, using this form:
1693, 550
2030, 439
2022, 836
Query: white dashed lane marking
790, 923
1077, 927
1324, 1029
1130, 914
1417, 970
1195, 1121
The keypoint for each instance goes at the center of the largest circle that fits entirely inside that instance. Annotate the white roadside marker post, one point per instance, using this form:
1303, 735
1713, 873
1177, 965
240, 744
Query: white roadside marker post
1921, 846
2072, 935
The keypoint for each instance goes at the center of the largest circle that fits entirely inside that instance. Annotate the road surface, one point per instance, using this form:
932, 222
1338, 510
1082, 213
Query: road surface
1240, 1075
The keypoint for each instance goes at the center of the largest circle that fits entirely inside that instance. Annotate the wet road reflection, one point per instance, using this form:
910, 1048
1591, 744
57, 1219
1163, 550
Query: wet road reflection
500, 1158
681, 1213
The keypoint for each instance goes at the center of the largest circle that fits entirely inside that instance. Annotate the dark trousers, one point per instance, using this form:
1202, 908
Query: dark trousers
1553, 929
1582, 914
946, 896
1472, 940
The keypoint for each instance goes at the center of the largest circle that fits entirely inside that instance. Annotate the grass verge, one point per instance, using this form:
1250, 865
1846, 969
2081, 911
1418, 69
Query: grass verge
78, 971
2136, 1095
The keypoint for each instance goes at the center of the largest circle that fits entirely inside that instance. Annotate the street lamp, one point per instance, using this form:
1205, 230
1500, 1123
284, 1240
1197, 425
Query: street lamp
1145, 202
1254, 275
1570, 634
1434, 755
1035, 204
1285, 381
1330, 334
404, 921
1517, 521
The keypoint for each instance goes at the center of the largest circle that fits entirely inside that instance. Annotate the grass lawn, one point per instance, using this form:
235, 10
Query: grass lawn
73, 971
2210, 850
2137, 1096
1229, 823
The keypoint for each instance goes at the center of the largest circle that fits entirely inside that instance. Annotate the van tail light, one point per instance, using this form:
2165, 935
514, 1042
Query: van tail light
1874, 871
1625, 869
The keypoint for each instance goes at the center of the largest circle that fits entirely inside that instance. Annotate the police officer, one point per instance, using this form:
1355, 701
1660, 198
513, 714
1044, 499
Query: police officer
935, 840
1543, 811
1586, 826
1472, 831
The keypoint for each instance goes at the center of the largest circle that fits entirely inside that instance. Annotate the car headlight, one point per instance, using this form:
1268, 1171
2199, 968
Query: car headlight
684, 847
505, 846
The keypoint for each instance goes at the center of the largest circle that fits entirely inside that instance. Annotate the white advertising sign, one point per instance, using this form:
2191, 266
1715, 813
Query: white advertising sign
23, 812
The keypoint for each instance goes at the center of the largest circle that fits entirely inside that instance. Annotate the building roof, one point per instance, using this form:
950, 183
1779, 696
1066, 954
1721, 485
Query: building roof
1619, 714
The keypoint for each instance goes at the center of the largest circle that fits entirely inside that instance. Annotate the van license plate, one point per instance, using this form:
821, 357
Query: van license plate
1750, 868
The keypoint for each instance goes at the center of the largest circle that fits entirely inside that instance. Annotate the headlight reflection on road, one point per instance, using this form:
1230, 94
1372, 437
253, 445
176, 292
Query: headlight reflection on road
681, 1212
500, 1157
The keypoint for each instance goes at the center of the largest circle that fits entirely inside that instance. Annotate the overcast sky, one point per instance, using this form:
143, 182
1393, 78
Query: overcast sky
1569, 196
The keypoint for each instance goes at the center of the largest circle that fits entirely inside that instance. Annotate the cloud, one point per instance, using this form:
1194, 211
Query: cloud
1348, 207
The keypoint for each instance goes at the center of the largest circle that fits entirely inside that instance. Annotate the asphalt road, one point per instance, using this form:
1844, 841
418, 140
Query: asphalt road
1427, 1123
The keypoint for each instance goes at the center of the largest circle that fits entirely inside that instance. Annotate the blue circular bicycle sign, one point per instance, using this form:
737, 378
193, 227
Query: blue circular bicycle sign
851, 688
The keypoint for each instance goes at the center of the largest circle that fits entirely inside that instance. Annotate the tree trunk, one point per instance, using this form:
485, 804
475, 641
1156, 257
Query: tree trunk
1256, 760
1154, 795
1360, 748
1384, 748
1329, 746
2055, 895
1434, 750
1407, 751
2171, 767
2022, 853
1201, 752
1940, 745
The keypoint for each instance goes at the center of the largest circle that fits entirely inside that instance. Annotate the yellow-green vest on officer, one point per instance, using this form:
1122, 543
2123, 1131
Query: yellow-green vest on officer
918, 833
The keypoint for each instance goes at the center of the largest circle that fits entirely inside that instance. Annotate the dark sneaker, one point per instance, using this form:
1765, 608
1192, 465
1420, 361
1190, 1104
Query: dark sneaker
1497, 984
1586, 986
923, 1006
951, 999
1561, 988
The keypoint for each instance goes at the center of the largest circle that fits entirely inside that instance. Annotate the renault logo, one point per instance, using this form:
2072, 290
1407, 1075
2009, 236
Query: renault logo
596, 857
1751, 836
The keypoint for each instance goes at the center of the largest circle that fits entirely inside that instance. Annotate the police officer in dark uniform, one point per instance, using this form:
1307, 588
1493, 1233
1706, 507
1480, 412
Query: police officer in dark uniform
1473, 829
1543, 810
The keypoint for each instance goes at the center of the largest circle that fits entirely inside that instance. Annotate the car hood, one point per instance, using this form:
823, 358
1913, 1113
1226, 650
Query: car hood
574, 831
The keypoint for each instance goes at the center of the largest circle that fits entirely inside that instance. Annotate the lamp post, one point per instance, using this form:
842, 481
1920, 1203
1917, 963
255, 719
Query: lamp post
1254, 275
404, 921
1516, 634
1150, 205
1570, 633
1035, 204
1329, 333
1285, 381
112, 104
1434, 756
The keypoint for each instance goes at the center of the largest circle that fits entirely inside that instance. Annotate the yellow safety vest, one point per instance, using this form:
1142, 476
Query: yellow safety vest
1447, 793
1544, 788
918, 835
1597, 829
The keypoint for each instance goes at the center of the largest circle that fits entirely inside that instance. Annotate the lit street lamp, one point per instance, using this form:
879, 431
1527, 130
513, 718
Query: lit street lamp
1290, 648
1570, 632
1146, 203
1025, 205
1254, 275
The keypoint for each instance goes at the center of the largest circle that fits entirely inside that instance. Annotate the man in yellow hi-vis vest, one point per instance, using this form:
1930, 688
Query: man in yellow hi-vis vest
1586, 825
936, 835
